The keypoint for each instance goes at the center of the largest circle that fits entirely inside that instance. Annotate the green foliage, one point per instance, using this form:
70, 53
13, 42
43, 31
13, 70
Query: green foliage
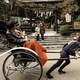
30, 13
70, 6
3, 10
78, 1
65, 30
78, 18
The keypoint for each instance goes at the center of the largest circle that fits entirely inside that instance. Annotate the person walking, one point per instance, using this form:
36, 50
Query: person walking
37, 31
42, 31
65, 53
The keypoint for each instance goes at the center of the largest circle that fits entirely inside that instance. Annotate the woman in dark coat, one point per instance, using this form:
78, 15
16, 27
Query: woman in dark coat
18, 37
42, 31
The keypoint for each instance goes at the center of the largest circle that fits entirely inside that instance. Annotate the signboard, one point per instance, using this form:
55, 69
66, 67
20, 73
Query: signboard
39, 0
68, 17
77, 25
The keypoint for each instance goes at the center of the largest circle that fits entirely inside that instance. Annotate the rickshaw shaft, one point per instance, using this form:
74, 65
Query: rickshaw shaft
63, 58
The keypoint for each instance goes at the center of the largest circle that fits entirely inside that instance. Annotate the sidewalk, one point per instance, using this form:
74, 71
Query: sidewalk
48, 32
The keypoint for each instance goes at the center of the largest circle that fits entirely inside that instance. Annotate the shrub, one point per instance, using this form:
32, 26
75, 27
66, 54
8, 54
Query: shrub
65, 30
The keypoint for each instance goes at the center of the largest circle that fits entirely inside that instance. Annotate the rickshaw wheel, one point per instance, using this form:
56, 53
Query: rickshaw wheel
22, 65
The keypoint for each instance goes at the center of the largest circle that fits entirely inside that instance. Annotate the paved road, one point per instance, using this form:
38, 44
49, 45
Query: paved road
1, 63
73, 70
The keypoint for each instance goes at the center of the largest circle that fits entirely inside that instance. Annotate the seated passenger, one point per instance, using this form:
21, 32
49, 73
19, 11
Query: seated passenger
18, 37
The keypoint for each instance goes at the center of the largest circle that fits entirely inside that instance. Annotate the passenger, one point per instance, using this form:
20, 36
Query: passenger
28, 43
66, 51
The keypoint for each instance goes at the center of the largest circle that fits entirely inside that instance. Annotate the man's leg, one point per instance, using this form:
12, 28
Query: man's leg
42, 36
38, 37
67, 61
59, 62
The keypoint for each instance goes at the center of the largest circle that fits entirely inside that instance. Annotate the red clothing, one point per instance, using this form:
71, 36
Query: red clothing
38, 48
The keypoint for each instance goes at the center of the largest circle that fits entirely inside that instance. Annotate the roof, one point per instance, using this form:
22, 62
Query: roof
40, 0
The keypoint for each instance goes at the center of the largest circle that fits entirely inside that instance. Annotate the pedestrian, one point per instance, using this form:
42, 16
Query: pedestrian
37, 31
66, 51
42, 31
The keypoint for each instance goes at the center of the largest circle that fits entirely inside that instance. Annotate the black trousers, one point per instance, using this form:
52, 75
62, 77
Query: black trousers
42, 36
37, 37
58, 63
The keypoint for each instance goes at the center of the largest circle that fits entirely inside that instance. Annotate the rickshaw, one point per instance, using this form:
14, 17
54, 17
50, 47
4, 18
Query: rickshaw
20, 63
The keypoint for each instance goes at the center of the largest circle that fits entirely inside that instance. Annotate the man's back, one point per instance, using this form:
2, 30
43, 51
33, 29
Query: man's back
72, 47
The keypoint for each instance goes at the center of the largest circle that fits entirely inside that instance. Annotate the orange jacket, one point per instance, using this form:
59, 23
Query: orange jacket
38, 48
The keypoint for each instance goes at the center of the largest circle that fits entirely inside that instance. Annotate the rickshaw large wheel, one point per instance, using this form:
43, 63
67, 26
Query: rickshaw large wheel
22, 65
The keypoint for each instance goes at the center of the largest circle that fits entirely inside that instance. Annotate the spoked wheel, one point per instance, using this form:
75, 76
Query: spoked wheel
22, 65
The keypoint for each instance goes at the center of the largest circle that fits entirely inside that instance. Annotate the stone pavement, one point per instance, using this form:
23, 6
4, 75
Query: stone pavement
73, 71
48, 32
54, 43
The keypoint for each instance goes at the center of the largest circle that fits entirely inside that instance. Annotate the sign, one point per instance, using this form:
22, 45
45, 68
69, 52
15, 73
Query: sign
77, 25
68, 17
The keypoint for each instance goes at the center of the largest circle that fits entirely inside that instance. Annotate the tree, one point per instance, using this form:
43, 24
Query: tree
2, 9
70, 6
77, 1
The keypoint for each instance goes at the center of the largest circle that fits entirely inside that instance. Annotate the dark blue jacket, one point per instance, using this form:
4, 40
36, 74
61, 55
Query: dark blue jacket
71, 48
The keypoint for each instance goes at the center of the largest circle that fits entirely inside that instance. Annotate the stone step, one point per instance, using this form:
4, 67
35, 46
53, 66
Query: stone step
54, 48
59, 39
53, 43
54, 51
54, 37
